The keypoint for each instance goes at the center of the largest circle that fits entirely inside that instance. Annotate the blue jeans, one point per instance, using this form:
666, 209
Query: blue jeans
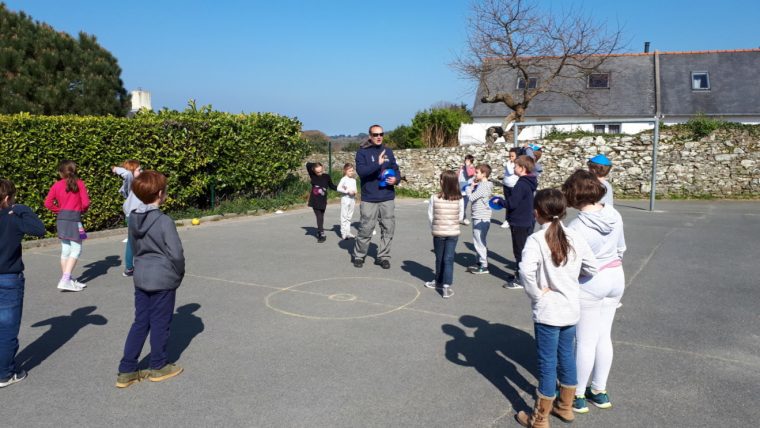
153, 314
11, 305
445, 249
128, 259
556, 357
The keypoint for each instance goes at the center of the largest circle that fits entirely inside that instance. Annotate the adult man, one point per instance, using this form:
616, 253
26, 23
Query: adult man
378, 194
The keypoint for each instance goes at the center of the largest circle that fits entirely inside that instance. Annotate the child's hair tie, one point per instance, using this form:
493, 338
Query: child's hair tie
555, 217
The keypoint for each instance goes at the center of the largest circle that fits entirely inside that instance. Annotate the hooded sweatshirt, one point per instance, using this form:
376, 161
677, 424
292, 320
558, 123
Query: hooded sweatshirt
520, 202
159, 258
369, 170
603, 230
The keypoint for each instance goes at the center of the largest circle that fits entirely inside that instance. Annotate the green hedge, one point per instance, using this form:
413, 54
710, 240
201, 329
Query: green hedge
242, 155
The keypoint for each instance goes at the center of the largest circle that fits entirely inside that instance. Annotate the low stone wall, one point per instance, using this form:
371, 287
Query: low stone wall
723, 165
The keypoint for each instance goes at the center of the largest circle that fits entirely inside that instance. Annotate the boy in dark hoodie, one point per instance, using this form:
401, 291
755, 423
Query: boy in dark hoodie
159, 269
15, 221
373, 159
519, 206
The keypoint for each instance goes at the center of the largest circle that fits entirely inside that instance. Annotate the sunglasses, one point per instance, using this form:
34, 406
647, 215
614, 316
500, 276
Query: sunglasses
378, 134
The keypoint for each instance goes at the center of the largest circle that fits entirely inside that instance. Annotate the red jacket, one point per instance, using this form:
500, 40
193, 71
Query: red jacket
59, 199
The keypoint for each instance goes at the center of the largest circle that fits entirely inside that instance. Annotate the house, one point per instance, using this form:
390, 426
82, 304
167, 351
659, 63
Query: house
672, 85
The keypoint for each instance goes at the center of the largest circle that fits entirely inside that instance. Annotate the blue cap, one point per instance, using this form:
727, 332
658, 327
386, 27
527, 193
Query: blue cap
535, 147
601, 160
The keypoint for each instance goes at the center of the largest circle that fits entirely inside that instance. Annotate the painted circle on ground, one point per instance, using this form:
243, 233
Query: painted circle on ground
343, 298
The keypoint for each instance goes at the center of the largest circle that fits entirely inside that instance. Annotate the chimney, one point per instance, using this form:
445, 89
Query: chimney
646, 47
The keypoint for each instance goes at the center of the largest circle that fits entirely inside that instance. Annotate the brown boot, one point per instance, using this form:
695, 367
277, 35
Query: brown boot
539, 417
563, 408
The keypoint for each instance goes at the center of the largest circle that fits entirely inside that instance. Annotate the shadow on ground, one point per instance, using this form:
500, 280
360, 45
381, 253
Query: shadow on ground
62, 329
495, 351
185, 326
98, 268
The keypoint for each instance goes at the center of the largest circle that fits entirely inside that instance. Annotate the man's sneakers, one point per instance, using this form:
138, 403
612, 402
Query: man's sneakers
358, 262
447, 292
128, 272
477, 270
124, 380
69, 285
14, 378
384, 263
166, 372
599, 399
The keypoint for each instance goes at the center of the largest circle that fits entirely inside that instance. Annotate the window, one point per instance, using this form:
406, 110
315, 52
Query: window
599, 80
700, 81
604, 128
532, 82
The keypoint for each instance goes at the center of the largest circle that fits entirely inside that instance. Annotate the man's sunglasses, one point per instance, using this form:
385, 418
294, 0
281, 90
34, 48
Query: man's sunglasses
378, 134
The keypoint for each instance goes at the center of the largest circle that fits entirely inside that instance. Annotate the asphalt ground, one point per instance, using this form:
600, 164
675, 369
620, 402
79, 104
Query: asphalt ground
274, 329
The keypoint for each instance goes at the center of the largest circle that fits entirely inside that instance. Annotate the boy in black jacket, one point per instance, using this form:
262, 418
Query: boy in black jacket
15, 221
320, 182
159, 269
520, 212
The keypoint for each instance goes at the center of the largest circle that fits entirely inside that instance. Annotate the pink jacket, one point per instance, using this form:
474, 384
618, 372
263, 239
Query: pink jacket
59, 199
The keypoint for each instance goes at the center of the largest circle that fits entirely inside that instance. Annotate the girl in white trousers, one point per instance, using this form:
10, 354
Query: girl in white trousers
347, 186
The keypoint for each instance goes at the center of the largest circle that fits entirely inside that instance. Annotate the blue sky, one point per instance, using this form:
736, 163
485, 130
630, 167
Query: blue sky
341, 65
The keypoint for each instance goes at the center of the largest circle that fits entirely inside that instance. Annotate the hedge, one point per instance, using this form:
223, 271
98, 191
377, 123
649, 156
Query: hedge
245, 154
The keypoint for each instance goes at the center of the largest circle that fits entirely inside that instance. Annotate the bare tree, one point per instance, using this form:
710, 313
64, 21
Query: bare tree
551, 52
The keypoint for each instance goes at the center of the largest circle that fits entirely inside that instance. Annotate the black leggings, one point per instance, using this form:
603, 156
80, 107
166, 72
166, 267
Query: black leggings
320, 220
519, 238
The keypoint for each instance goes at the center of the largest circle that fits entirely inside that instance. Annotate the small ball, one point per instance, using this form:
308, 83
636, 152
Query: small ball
196, 221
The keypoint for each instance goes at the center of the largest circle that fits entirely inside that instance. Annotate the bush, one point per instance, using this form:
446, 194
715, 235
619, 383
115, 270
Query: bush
701, 126
439, 127
243, 155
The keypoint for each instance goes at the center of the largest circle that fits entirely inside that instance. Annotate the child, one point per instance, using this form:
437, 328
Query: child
600, 166
320, 182
15, 221
509, 180
129, 170
347, 186
445, 212
159, 269
68, 199
479, 193
553, 259
466, 176
535, 152
602, 227
519, 206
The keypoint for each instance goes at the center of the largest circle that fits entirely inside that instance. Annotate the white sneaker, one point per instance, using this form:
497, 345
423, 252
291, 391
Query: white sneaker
68, 286
76, 283
504, 225
513, 285
465, 222
431, 284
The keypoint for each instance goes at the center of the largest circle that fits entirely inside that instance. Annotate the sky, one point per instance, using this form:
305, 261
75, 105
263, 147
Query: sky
338, 65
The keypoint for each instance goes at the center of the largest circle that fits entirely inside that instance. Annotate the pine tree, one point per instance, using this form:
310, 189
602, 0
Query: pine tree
43, 71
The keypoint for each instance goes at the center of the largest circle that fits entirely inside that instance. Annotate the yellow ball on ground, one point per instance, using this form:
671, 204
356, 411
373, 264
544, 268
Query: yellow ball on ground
196, 221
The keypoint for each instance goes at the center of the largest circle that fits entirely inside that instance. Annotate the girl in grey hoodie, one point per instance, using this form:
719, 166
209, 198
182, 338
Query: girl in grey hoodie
552, 261
602, 227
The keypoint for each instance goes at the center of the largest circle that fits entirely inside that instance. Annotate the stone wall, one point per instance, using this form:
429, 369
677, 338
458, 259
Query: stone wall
725, 164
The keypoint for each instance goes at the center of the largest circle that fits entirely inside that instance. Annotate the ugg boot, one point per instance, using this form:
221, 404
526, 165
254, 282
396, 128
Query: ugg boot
563, 407
539, 417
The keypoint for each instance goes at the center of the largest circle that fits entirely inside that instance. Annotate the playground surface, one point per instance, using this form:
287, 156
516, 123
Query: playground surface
276, 330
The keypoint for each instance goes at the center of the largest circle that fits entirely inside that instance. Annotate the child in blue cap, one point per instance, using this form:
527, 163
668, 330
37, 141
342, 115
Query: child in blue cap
600, 166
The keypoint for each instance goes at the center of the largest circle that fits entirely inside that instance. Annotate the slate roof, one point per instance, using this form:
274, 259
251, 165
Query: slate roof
734, 81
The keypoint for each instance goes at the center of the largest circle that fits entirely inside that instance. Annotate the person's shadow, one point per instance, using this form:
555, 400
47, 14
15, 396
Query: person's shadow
98, 268
495, 351
423, 273
62, 329
185, 326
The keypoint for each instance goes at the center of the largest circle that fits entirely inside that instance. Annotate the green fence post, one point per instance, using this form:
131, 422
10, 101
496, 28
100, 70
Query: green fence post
329, 158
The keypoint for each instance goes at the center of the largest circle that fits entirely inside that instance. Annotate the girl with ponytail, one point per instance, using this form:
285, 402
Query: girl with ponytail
553, 260
68, 199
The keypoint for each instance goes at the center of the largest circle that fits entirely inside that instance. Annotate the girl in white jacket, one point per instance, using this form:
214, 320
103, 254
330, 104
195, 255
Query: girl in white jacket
552, 261
602, 227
